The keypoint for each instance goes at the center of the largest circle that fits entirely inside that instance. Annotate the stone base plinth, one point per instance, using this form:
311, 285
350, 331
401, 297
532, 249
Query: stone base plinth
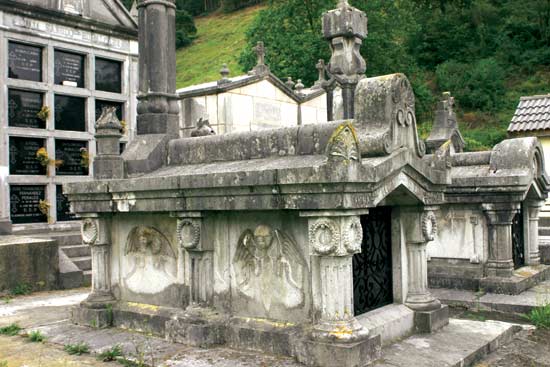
94, 317
357, 354
206, 330
5, 226
521, 280
430, 321
544, 248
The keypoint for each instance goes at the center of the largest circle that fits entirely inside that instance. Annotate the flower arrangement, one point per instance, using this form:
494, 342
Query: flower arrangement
44, 113
44, 208
124, 128
84, 157
45, 161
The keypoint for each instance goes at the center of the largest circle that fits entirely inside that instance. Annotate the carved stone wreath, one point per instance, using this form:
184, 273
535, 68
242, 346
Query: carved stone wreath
352, 235
429, 225
89, 231
324, 236
189, 233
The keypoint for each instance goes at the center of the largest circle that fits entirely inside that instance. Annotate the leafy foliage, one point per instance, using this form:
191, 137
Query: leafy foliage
540, 316
77, 349
111, 354
36, 336
10, 330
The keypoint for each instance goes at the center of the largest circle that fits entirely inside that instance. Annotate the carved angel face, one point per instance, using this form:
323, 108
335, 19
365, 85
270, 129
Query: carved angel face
263, 237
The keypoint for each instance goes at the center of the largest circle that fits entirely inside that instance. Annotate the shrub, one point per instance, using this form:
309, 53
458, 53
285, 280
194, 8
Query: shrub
77, 349
36, 336
479, 85
110, 354
540, 316
21, 289
10, 330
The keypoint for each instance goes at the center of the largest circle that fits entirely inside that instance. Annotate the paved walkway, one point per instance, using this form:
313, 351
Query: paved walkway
458, 344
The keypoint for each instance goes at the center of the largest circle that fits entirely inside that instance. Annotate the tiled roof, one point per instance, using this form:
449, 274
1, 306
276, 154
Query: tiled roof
532, 113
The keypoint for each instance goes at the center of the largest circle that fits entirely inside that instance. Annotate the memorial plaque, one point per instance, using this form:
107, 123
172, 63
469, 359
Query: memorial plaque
70, 113
99, 104
24, 201
63, 207
23, 107
25, 62
23, 156
108, 75
122, 147
70, 152
69, 69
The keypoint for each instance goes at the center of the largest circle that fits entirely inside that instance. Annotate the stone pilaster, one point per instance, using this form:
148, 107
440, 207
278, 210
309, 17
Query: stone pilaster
334, 238
499, 221
96, 233
158, 103
197, 257
532, 256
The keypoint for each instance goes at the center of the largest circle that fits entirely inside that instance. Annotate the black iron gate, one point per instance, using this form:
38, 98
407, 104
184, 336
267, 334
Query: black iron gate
518, 248
372, 268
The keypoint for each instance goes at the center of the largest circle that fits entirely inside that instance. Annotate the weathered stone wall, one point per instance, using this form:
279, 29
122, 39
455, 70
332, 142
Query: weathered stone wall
28, 261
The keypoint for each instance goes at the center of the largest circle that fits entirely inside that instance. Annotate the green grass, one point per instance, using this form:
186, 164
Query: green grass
36, 336
77, 349
540, 316
220, 39
10, 330
110, 354
21, 289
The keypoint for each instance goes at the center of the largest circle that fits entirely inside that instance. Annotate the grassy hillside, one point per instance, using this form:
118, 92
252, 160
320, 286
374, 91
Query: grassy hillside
220, 39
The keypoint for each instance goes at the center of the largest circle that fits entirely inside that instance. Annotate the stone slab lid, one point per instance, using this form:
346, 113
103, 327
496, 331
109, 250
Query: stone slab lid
532, 114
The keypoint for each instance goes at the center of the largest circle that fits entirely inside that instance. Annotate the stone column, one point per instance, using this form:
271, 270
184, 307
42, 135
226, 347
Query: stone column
420, 228
532, 255
334, 239
158, 103
96, 232
198, 258
499, 221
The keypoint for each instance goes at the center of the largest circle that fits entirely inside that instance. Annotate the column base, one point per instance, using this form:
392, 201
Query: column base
430, 321
98, 300
326, 354
502, 268
422, 302
94, 317
339, 331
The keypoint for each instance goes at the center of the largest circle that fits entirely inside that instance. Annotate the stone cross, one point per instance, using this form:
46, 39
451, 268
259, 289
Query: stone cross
260, 53
321, 69
224, 72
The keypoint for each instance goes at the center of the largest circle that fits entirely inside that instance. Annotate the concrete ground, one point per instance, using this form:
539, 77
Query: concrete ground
461, 343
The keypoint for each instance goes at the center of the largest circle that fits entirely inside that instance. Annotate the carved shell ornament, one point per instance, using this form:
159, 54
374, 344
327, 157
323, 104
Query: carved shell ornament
343, 143
323, 236
89, 231
429, 225
189, 233
353, 235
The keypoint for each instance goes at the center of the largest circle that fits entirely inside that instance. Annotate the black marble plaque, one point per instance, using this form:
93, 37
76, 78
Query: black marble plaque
63, 207
122, 147
23, 107
108, 75
25, 62
69, 69
99, 104
23, 156
70, 153
70, 113
24, 201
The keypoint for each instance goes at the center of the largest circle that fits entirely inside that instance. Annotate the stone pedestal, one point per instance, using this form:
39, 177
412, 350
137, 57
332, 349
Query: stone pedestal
96, 310
108, 163
499, 220
532, 252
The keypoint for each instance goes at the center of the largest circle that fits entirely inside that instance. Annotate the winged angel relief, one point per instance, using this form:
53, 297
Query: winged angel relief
151, 261
269, 267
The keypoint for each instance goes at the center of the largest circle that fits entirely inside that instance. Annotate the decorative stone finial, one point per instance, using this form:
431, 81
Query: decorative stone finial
290, 83
108, 119
445, 126
299, 87
320, 66
224, 72
108, 163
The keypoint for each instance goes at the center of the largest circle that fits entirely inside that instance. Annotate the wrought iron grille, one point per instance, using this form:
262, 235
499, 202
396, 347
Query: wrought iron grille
518, 248
372, 268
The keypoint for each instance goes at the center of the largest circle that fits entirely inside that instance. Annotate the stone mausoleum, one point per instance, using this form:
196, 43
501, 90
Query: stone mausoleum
309, 241
61, 62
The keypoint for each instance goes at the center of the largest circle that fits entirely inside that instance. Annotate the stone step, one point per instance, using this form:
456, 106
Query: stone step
83, 262
544, 231
544, 248
544, 221
76, 250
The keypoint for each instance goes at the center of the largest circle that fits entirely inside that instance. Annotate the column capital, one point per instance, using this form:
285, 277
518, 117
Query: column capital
335, 235
500, 213
96, 230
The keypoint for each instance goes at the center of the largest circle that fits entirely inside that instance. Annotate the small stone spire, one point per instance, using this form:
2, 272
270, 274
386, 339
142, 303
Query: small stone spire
320, 66
108, 164
224, 72
260, 68
299, 87
290, 83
